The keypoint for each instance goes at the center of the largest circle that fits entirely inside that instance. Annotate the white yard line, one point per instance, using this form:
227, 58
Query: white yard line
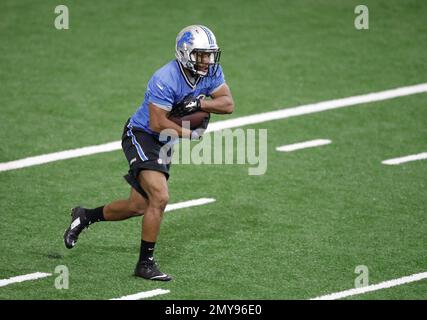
319, 107
144, 294
303, 145
62, 155
190, 203
375, 287
25, 277
413, 157
228, 124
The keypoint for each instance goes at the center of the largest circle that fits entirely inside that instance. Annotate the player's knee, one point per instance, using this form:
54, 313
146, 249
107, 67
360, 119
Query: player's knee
160, 199
138, 207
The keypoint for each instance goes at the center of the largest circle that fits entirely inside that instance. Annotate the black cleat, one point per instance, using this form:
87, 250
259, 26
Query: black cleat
148, 270
78, 224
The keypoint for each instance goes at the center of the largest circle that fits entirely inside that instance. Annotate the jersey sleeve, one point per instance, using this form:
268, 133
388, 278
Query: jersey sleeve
217, 81
160, 93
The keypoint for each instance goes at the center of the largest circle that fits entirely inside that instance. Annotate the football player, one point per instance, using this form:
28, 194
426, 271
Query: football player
177, 88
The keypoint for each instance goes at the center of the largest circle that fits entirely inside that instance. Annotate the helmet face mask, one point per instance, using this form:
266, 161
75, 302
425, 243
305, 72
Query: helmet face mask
196, 49
205, 62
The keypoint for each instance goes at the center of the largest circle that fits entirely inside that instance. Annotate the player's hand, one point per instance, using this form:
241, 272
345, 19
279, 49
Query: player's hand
187, 106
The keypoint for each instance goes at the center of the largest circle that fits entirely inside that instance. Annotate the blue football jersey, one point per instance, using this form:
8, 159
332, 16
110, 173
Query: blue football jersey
167, 87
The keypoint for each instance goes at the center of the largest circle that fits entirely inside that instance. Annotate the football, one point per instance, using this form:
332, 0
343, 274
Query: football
196, 119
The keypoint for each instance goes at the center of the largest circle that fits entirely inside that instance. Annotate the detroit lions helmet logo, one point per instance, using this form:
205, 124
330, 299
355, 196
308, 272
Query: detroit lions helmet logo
187, 37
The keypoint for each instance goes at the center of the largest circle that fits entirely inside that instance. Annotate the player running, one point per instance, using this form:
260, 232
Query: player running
179, 87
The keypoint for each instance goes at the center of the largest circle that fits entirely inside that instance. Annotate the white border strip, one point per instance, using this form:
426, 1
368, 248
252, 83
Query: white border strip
25, 277
142, 295
190, 203
379, 286
414, 157
227, 124
304, 145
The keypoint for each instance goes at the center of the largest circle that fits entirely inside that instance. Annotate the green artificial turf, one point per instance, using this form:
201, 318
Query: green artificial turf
296, 232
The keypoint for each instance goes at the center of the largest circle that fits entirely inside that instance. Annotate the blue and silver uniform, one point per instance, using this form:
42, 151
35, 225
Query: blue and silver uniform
168, 86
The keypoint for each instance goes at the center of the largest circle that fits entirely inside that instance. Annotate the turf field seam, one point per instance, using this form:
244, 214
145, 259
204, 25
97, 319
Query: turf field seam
25, 277
375, 287
228, 124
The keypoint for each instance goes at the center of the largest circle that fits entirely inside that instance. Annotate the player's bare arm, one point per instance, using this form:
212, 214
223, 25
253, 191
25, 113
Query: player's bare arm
221, 102
159, 121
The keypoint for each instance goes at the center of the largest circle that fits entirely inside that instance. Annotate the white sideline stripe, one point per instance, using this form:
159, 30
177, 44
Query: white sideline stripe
142, 295
375, 287
190, 203
228, 124
413, 157
303, 145
25, 277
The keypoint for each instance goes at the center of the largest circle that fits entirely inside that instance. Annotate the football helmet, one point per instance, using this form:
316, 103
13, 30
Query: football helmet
197, 50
